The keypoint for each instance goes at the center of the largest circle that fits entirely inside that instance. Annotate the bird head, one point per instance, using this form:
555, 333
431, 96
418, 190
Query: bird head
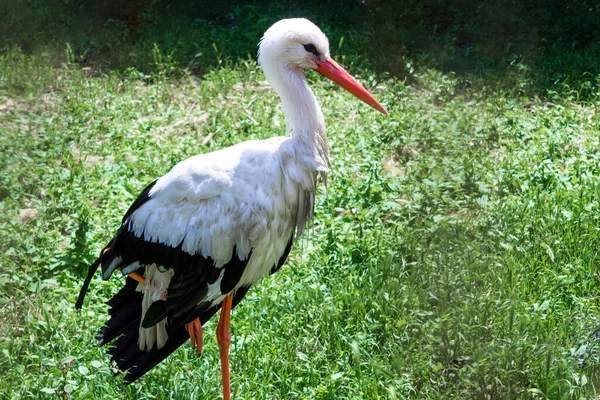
295, 42
298, 43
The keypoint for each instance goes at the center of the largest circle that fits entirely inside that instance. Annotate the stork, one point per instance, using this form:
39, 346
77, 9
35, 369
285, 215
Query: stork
199, 237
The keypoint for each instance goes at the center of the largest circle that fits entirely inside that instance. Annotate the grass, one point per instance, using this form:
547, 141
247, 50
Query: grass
454, 255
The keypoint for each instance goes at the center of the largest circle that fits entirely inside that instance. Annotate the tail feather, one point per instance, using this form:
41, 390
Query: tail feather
124, 307
139, 362
122, 332
124, 347
123, 296
117, 326
126, 311
143, 361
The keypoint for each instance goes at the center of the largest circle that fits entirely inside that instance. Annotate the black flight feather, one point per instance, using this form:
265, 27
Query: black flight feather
181, 305
186, 304
127, 355
86, 283
125, 311
155, 313
283, 257
123, 297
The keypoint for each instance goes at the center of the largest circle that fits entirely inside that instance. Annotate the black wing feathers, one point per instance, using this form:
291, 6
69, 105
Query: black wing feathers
185, 294
142, 198
86, 283
125, 310
126, 353
155, 313
132, 248
233, 272
283, 257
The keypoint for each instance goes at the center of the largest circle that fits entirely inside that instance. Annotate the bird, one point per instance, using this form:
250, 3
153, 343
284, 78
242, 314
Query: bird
197, 238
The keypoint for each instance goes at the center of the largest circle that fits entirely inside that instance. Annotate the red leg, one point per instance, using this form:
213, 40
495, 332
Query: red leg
224, 339
195, 331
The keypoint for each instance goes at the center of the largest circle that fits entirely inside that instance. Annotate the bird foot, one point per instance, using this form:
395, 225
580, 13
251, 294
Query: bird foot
195, 331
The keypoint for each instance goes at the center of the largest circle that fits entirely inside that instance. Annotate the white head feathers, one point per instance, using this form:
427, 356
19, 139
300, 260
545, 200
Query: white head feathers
293, 42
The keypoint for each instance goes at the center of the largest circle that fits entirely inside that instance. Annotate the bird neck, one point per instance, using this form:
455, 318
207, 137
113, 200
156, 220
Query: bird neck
303, 116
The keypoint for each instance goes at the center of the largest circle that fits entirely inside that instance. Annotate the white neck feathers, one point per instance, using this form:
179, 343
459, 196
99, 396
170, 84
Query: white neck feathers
303, 115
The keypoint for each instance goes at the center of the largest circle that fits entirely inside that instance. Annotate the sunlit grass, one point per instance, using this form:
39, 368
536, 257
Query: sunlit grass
454, 254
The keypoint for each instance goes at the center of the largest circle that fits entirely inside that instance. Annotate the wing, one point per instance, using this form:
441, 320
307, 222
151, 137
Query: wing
202, 220
125, 312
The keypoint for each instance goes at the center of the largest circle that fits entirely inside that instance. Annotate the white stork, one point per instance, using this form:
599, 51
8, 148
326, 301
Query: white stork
199, 237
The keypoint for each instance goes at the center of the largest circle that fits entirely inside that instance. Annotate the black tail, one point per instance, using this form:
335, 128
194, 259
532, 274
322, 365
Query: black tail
123, 325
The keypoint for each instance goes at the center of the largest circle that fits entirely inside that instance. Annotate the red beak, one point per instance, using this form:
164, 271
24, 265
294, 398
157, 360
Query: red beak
332, 70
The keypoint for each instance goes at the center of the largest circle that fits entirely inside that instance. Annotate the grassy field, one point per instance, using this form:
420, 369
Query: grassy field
454, 255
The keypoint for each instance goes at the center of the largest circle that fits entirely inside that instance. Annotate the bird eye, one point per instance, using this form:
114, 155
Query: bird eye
311, 49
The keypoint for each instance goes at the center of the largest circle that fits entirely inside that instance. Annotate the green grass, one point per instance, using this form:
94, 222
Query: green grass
454, 254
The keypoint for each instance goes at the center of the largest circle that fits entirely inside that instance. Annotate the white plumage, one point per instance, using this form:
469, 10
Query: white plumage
205, 232
243, 196
156, 284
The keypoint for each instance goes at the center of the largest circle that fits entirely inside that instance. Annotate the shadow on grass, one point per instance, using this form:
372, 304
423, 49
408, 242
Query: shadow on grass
541, 48
78, 257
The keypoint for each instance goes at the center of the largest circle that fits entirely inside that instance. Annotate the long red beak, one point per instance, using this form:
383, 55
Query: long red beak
332, 70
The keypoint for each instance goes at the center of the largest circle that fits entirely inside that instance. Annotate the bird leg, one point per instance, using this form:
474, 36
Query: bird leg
195, 331
224, 339
138, 277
